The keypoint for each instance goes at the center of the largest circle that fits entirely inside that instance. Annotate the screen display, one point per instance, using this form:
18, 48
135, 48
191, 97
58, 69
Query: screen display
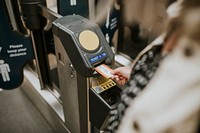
97, 57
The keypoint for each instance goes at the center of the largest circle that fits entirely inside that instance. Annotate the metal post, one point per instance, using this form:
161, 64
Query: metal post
35, 23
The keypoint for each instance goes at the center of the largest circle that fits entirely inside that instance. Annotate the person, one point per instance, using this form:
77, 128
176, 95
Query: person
170, 103
136, 77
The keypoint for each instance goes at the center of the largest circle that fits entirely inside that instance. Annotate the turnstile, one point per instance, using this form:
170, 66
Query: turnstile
86, 96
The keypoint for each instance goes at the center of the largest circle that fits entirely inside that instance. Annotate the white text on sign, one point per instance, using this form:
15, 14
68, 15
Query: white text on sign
17, 50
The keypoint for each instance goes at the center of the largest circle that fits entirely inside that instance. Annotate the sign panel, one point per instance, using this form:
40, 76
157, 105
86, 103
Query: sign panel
110, 24
70, 7
15, 51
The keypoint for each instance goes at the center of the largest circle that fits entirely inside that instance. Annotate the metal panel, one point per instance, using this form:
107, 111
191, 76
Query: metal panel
44, 101
73, 92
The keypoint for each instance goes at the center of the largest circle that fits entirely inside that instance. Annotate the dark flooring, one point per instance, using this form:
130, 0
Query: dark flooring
19, 115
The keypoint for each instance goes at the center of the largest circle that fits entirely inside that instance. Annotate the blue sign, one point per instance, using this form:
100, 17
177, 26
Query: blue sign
70, 7
15, 51
111, 24
97, 58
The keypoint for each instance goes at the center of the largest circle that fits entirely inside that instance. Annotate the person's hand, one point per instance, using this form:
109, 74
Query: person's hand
121, 75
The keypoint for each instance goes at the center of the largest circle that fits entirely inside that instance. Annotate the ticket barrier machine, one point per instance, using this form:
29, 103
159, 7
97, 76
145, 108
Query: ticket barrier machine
87, 97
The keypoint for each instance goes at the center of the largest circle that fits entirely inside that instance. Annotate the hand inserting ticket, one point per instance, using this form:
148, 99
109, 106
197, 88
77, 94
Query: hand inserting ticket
104, 70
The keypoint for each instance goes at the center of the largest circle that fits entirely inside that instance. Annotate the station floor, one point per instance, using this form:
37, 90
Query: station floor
19, 115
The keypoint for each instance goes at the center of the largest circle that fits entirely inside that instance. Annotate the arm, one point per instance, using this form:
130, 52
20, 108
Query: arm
122, 74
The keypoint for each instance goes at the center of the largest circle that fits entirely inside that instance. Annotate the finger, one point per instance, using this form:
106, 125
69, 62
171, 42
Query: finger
112, 77
118, 79
121, 77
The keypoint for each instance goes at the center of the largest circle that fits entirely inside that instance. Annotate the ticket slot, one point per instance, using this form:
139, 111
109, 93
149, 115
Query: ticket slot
101, 103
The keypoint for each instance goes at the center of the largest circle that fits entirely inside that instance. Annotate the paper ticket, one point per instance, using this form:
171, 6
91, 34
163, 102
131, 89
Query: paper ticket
104, 70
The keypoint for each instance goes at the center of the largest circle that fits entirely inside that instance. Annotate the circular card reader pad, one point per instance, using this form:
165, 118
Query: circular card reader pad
89, 40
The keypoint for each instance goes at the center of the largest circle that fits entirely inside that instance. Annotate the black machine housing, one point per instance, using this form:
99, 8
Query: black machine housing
81, 58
